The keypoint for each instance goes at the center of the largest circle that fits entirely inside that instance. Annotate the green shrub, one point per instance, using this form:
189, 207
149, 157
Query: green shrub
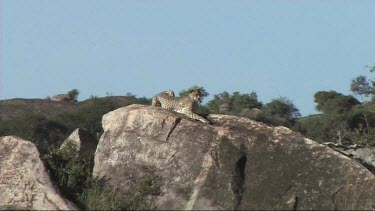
72, 172
279, 112
235, 103
73, 94
360, 136
88, 116
138, 196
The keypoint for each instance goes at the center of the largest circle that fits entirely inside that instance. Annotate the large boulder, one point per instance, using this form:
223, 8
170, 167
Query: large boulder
24, 183
236, 163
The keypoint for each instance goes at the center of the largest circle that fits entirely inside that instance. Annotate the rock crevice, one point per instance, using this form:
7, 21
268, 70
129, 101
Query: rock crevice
239, 180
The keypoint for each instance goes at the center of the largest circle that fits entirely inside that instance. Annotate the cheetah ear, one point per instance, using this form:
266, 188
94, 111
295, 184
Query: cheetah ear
196, 91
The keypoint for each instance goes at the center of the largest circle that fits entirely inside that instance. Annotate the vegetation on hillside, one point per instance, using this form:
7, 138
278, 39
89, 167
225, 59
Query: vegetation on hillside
342, 119
49, 131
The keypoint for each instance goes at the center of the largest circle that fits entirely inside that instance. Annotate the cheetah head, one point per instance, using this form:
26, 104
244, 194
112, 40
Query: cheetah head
170, 93
196, 95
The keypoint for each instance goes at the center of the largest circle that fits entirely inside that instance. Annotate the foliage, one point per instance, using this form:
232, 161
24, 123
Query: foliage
73, 94
328, 126
136, 100
40, 130
98, 196
361, 116
244, 101
320, 128
334, 103
344, 119
234, 104
280, 111
72, 171
220, 99
363, 86
281, 107
87, 116
49, 130
360, 136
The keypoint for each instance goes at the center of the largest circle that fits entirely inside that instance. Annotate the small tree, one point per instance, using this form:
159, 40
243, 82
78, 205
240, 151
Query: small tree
239, 101
340, 114
234, 103
280, 111
73, 94
363, 86
334, 103
219, 100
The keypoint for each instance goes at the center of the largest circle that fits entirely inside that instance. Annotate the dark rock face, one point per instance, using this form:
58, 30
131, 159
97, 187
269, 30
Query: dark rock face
236, 163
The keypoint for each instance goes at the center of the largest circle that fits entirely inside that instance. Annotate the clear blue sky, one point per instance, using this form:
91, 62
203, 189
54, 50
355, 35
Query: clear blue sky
279, 48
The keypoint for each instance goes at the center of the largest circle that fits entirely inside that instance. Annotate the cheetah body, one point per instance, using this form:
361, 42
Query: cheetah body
165, 94
184, 105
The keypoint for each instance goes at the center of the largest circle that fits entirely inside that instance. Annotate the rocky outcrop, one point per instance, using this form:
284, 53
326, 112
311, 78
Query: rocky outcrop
24, 183
236, 163
365, 155
82, 141
61, 97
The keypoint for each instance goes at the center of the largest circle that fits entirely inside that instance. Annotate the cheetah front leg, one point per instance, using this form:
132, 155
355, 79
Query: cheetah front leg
155, 102
195, 116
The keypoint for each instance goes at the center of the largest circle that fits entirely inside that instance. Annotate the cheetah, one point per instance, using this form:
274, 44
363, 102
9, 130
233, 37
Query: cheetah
184, 105
155, 100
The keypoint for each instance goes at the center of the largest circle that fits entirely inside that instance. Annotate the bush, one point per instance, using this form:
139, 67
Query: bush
72, 172
360, 136
341, 114
234, 104
98, 196
279, 112
88, 116
73, 94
